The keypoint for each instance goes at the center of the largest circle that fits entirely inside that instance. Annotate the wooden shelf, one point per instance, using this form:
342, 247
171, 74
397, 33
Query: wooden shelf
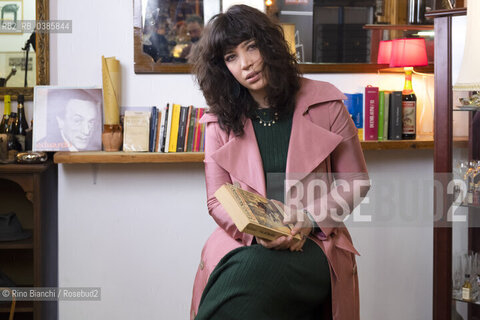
197, 157
398, 27
18, 244
127, 157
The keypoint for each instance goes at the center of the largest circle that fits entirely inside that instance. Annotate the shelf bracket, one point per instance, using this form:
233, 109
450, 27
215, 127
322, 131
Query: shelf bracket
94, 172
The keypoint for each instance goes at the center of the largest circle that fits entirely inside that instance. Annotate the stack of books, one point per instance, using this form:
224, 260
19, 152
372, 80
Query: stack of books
377, 114
173, 128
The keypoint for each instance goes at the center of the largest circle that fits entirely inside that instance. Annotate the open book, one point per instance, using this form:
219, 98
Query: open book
253, 213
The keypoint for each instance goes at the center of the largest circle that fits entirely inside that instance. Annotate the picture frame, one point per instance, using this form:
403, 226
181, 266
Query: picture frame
67, 118
11, 16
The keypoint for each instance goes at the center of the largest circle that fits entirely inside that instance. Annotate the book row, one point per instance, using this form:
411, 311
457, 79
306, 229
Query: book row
378, 115
173, 128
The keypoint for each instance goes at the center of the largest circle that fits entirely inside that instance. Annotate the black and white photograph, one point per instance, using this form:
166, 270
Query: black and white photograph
67, 119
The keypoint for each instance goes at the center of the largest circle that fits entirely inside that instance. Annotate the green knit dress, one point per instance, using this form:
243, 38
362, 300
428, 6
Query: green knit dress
253, 282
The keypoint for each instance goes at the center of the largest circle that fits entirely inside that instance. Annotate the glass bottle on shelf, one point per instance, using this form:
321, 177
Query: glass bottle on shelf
11, 123
6, 114
21, 121
409, 107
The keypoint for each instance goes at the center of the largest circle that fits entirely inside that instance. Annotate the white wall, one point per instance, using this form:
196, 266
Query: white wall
138, 231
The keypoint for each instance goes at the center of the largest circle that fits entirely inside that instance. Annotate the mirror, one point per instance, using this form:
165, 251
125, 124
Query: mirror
339, 36
18, 42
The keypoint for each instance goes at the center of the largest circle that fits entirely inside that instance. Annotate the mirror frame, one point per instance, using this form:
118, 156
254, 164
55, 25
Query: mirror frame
144, 64
42, 52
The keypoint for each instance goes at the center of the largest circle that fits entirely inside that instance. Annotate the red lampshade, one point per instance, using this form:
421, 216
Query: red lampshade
408, 53
384, 52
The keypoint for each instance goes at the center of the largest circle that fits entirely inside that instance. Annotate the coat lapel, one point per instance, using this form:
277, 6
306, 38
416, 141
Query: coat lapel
310, 144
241, 158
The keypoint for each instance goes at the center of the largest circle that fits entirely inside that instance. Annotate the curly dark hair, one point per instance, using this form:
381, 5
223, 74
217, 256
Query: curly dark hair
227, 99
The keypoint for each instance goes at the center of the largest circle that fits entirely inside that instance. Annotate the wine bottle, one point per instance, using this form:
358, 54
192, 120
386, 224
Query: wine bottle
21, 123
409, 107
6, 114
416, 11
11, 123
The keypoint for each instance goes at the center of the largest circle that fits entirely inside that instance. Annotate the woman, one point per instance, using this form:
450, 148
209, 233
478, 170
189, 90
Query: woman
270, 131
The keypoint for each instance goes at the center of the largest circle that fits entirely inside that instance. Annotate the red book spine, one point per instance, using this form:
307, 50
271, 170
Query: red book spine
370, 126
198, 131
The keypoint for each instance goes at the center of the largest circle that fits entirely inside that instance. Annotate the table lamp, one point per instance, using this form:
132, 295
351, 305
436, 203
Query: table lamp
469, 76
406, 53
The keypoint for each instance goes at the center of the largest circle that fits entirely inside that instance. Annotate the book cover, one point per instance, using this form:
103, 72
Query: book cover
153, 128
253, 213
191, 129
386, 113
136, 131
172, 145
187, 131
168, 127
370, 126
354, 104
182, 127
157, 137
198, 131
395, 116
381, 106
162, 129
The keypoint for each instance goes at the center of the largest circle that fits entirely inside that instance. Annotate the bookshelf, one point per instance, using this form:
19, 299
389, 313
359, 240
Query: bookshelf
197, 157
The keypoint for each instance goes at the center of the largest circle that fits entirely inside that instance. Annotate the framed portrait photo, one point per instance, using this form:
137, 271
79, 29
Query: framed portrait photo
67, 119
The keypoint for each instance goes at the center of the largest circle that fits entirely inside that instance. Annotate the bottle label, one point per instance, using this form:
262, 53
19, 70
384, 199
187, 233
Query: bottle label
409, 118
466, 293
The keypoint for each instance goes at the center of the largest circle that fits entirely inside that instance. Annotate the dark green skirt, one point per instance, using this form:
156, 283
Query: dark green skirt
258, 283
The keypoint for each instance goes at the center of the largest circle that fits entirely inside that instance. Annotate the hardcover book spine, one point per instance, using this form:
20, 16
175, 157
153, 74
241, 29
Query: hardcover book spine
395, 123
168, 127
370, 126
153, 129
182, 126
187, 131
162, 129
386, 115
172, 146
191, 129
381, 106
198, 130
156, 148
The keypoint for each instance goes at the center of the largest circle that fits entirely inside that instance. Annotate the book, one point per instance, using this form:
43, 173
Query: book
172, 144
136, 131
191, 129
187, 131
161, 135
159, 125
198, 131
253, 214
153, 128
386, 114
182, 129
168, 114
354, 104
169, 127
381, 108
395, 116
370, 124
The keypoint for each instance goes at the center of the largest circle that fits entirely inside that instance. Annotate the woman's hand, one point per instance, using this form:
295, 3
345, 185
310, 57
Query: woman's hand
303, 226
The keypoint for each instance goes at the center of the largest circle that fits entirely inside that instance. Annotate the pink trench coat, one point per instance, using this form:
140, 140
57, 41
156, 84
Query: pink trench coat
324, 139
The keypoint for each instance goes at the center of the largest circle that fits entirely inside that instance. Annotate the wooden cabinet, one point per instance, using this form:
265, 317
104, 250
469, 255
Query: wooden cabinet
446, 238
31, 192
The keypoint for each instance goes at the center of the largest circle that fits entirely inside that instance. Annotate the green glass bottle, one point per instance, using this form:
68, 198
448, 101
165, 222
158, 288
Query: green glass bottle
4, 128
21, 124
